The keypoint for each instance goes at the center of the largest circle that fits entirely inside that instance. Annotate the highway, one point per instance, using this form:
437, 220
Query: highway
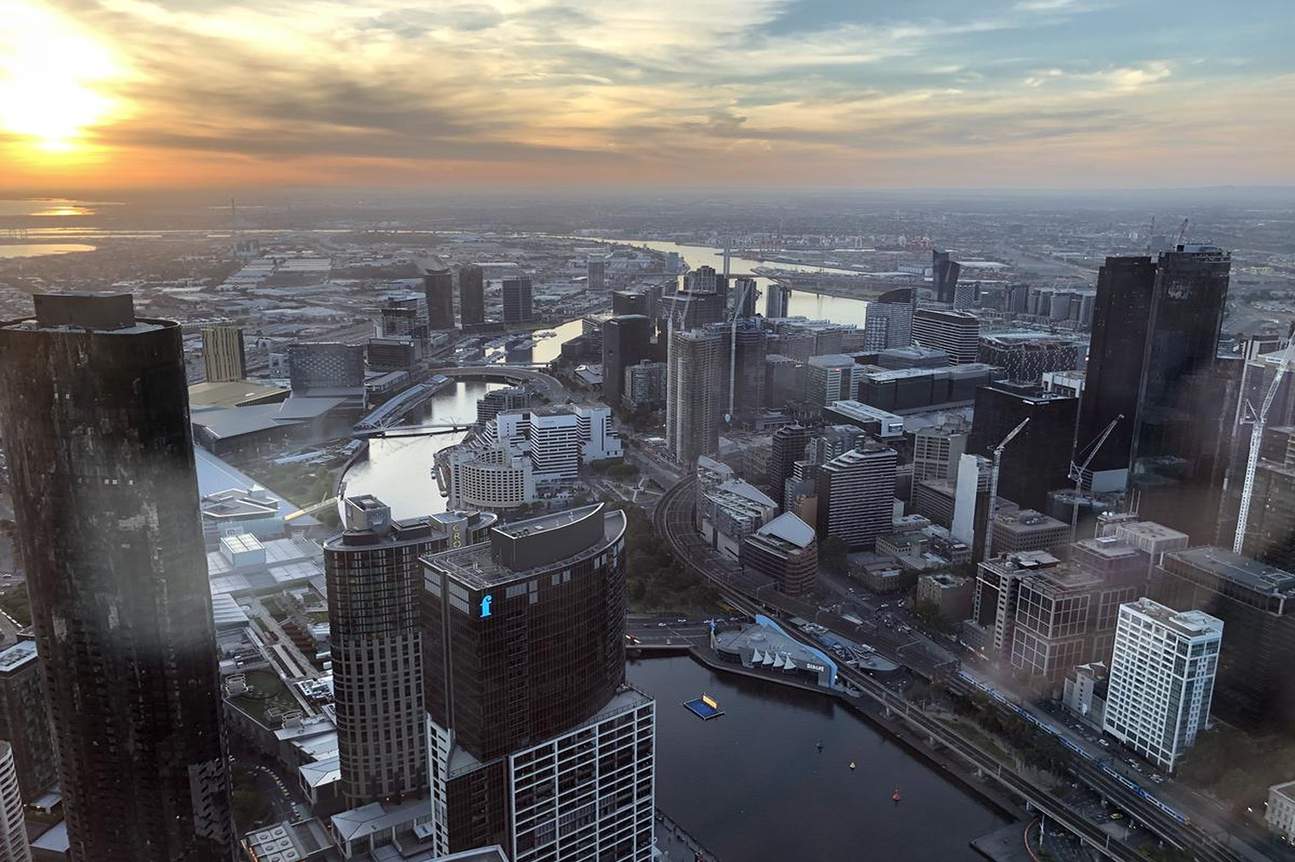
673, 521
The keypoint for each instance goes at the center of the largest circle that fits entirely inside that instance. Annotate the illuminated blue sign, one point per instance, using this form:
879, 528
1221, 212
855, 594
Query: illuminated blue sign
485, 606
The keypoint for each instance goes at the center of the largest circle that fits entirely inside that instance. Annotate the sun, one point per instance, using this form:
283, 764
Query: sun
51, 76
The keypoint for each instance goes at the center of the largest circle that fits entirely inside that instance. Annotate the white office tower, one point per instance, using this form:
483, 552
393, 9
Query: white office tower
1162, 679
597, 434
972, 486
13, 835
555, 446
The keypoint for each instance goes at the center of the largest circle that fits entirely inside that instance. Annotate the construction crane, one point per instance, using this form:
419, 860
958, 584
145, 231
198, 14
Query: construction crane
993, 486
1151, 232
1077, 471
1182, 232
1258, 419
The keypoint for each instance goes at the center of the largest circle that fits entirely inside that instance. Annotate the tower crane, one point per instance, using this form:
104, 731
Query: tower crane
1077, 471
1151, 232
1258, 420
993, 485
1182, 232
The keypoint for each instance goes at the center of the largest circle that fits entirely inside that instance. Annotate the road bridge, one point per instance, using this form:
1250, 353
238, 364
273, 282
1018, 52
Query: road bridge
547, 383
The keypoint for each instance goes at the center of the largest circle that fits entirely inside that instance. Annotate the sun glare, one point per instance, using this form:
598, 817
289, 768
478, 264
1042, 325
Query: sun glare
50, 73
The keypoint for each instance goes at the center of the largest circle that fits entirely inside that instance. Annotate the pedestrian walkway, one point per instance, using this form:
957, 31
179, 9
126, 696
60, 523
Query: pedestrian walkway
673, 844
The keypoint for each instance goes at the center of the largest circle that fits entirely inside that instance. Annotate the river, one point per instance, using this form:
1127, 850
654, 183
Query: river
750, 785
815, 306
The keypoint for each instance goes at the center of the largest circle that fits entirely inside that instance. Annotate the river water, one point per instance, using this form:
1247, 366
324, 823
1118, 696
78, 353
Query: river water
751, 786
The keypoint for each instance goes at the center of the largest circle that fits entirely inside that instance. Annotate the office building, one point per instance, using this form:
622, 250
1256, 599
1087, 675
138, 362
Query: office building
835, 377
944, 275
912, 356
596, 273
948, 595
1177, 461
786, 550
788, 447
497, 401
108, 528
856, 496
626, 342
777, 300
472, 296
971, 503
1279, 813
784, 381
957, 333
730, 511
403, 317
1162, 679
438, 289
223, 354
1256, 602
873, 420
517, 300
936, 451
1026, 356
744, 295
644, 385
632, 302
888, 321
325, 365
1028, 530
1038, 459
529, 716
374, 577
13, 831
397, 353
25, 718
935, 499
908, 390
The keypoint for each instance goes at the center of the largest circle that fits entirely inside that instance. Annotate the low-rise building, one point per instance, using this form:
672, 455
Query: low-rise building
786, 550
731, 511
1028, 530
948, 595
1085, 693
1280, 813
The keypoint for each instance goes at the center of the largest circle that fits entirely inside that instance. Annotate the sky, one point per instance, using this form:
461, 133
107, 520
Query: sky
119, 94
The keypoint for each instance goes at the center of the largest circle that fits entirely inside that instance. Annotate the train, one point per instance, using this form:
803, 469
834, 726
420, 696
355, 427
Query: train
1068, 743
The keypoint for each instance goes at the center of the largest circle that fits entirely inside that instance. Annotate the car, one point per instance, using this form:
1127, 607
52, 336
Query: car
1103, 743
681, 621
662, 625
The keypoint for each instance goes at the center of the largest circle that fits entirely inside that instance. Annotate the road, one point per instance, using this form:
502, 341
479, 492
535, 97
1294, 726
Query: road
550, 385
673, 521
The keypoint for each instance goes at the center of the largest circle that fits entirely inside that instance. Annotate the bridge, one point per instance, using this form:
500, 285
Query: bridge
550, 385
422, 429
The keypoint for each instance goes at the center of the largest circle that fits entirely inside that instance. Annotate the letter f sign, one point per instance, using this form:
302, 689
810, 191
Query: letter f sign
485, 606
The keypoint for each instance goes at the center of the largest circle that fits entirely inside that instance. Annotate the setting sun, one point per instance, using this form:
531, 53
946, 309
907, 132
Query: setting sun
49, 78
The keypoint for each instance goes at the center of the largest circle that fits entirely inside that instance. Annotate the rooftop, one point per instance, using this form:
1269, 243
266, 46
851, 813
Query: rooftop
16, 656
1186, 623
1249, 573
789, 528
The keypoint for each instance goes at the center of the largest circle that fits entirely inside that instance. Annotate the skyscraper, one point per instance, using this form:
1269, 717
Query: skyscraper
626, 342
472, 296
744, 294
537, 743
596, 273
438, 287
856, 496
1115, 356
374, 582
517, 300
696, 375
788, 447
223, 354
1176, 464
944, 275
109, 530
1038, 460
632, 302
777, 299
889, 320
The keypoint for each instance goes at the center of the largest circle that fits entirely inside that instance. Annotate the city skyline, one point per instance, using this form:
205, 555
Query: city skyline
1032, 93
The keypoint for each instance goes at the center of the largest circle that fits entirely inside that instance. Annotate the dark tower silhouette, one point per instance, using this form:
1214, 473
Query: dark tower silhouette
472, 296
944, 275
94, 414
438, 287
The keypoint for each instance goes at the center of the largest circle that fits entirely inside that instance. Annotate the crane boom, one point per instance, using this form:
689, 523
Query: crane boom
1077, 472
1256, 437
1182, 232
993, 486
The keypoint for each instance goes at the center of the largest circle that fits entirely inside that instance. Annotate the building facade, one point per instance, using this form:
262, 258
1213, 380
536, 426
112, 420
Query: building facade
325, 365
626, 342
25, 718
223, 354
517, 300
1162, 679
109, 530
13, 831
438, 289
1038, 459
957, 333
856, 495
472, 296
786, 550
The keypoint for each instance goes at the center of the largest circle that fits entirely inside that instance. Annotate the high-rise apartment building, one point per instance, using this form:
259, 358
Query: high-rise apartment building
645, 384
944, 275
696, 379
438, 288
472, 295
889, 320
13, 831
374, 583
1161, 684
856, 496
626, 342
25, 718
936, 451
223, 353
788, 447
1038, 459
517, 300
109, 530
957, 333
744, 293
1177, 460
537, 743
835, 377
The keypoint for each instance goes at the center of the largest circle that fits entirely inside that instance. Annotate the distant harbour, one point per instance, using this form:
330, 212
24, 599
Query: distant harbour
43, 248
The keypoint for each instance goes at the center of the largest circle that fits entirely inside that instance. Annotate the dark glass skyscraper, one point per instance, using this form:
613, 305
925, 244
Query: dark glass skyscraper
788, 447
1038, 460
944, 275
517, 300
626, 342
1176, 463
1120, 319
472, 296
438, 288
94, 414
